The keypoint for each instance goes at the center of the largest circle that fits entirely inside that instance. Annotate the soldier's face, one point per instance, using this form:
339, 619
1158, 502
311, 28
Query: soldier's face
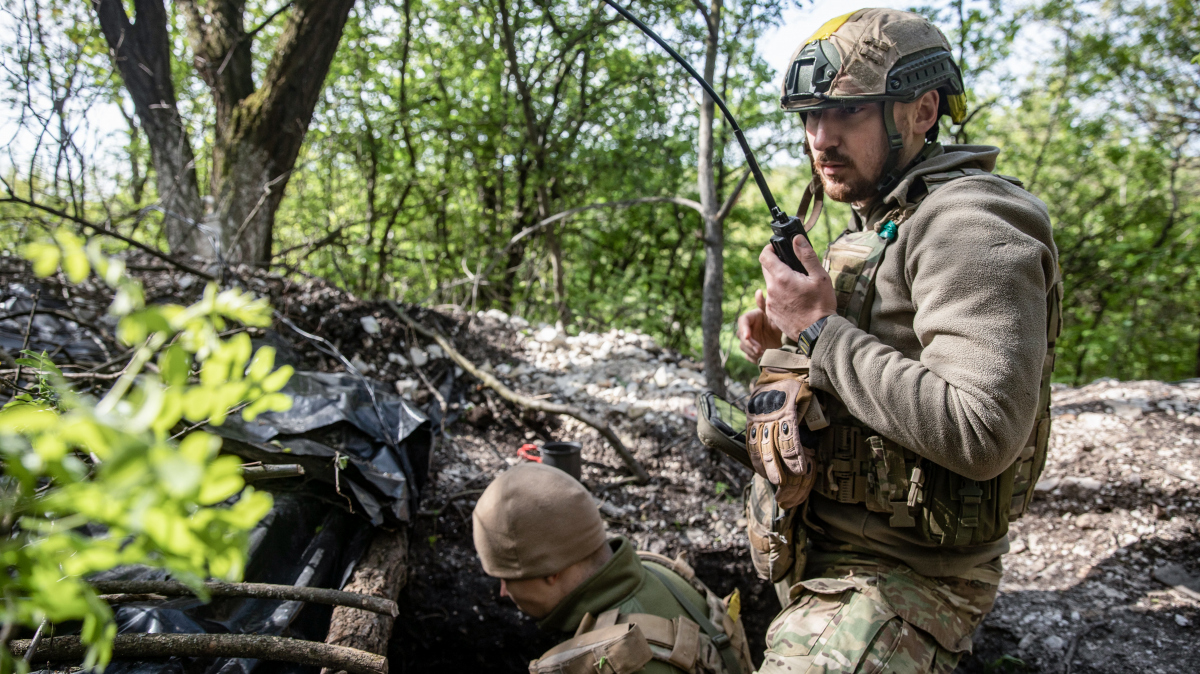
848, 147
536, 597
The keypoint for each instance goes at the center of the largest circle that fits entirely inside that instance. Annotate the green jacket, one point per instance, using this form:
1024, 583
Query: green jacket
623, 583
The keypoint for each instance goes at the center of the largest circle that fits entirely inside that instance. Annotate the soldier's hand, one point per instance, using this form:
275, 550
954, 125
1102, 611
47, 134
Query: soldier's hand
755, 332
794, 300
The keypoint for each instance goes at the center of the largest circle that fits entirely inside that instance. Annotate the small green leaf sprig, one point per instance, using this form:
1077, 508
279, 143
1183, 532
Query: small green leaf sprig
88, 484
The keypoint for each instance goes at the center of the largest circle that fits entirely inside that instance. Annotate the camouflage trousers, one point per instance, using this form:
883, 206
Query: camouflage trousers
856, 613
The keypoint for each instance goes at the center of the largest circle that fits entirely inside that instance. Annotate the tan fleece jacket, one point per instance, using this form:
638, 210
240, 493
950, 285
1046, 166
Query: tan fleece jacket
951, 364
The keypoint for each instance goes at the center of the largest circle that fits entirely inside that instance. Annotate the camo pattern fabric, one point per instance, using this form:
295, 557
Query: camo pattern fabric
858, 614
852, 261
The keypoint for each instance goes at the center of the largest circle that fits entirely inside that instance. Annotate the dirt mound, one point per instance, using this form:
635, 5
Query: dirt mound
1104, 573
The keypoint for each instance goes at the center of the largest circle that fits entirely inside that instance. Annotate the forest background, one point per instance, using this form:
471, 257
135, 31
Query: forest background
544, 158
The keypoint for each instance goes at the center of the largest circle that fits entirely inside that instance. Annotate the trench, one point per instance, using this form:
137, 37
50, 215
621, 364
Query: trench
452, 618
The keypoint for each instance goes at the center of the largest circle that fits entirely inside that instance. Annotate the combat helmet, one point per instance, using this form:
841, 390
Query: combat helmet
876, 55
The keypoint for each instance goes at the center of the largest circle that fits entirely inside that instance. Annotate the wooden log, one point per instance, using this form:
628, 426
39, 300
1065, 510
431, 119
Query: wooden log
314, 595
381, 572
512, 396
134, 646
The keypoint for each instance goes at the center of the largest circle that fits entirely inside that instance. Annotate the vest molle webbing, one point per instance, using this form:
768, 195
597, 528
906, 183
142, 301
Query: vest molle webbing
860, 466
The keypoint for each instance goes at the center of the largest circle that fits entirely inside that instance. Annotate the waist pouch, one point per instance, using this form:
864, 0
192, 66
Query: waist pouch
944, 508
772, 532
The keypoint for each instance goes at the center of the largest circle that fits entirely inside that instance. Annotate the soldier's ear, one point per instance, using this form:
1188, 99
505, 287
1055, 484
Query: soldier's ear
925, 114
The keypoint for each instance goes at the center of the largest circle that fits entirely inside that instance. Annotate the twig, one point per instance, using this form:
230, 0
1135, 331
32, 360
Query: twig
25, 341
312, 595
66, 317
337, 479
101, 229
269, 472
438, 511
1075, 644
524, 401
138, 646
37, 639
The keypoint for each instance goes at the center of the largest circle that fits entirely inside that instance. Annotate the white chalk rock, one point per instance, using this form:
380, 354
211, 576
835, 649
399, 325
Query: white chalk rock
370, 325
398, 359
551, 336
418, 356
435, 352
361, 365
406, 386
661, 377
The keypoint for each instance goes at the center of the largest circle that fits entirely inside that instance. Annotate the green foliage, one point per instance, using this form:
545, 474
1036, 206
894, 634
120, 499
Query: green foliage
115, 466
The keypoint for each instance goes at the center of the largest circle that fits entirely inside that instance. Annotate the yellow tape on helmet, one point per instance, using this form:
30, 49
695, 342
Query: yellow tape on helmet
958, 107
830, 27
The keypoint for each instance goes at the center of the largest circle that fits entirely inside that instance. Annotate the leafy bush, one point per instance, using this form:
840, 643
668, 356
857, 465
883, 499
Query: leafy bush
162, 496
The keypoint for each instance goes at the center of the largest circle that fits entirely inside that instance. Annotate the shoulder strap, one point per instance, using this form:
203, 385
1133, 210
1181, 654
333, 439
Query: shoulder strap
679, 565
720, 639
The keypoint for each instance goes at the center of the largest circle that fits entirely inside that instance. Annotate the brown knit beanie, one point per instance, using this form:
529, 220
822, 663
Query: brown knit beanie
533, 521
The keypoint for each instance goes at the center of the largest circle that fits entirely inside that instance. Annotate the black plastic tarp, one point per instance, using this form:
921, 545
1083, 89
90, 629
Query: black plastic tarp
301, 542
369, 456
385, 443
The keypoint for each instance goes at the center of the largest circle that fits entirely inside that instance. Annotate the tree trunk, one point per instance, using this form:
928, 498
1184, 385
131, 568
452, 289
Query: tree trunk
711, 312
381, 572
141, 52
258, 132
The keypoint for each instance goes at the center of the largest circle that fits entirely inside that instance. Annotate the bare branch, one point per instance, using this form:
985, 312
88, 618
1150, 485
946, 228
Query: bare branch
733, 197
138, 646
315, 595
101, 229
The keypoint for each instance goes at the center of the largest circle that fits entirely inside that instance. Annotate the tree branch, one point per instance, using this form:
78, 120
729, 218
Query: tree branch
213, 646
733, 197
312, 595
540, 405
101, 229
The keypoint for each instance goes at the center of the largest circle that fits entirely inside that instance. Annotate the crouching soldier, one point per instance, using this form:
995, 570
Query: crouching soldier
538, 530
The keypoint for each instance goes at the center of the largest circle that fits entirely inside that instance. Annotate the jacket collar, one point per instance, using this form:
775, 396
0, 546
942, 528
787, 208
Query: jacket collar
941, 158
618, 580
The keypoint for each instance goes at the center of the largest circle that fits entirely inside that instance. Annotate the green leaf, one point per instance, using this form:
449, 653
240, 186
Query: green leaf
174, 365
44, 257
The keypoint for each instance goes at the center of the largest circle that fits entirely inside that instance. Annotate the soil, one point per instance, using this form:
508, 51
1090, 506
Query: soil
1103, 577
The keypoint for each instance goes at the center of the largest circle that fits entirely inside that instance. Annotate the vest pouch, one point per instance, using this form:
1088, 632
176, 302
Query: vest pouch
957, 511
771, 531
618, 649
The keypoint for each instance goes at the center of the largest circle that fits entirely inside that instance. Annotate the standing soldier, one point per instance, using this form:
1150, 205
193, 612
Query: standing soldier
882, 504
538, 530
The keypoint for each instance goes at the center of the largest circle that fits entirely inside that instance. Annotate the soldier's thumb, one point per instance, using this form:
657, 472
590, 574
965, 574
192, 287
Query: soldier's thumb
761, 300
805, 253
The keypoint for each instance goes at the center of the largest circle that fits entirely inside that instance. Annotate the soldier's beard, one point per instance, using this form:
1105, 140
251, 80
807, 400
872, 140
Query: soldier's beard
850, 186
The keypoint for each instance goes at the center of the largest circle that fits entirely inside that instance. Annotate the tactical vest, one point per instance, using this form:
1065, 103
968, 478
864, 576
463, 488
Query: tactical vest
858, 465
711, 641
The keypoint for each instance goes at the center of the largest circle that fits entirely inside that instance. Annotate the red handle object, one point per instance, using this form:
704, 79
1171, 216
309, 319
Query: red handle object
524, 453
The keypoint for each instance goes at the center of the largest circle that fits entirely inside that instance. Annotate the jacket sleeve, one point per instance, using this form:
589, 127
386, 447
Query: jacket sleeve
979, 260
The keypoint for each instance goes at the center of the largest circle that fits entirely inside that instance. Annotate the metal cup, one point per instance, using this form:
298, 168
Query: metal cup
564, 456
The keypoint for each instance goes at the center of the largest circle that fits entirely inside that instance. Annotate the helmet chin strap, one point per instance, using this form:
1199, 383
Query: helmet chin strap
890, 176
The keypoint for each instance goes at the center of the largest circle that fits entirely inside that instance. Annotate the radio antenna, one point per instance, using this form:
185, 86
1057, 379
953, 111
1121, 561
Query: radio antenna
785, 227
